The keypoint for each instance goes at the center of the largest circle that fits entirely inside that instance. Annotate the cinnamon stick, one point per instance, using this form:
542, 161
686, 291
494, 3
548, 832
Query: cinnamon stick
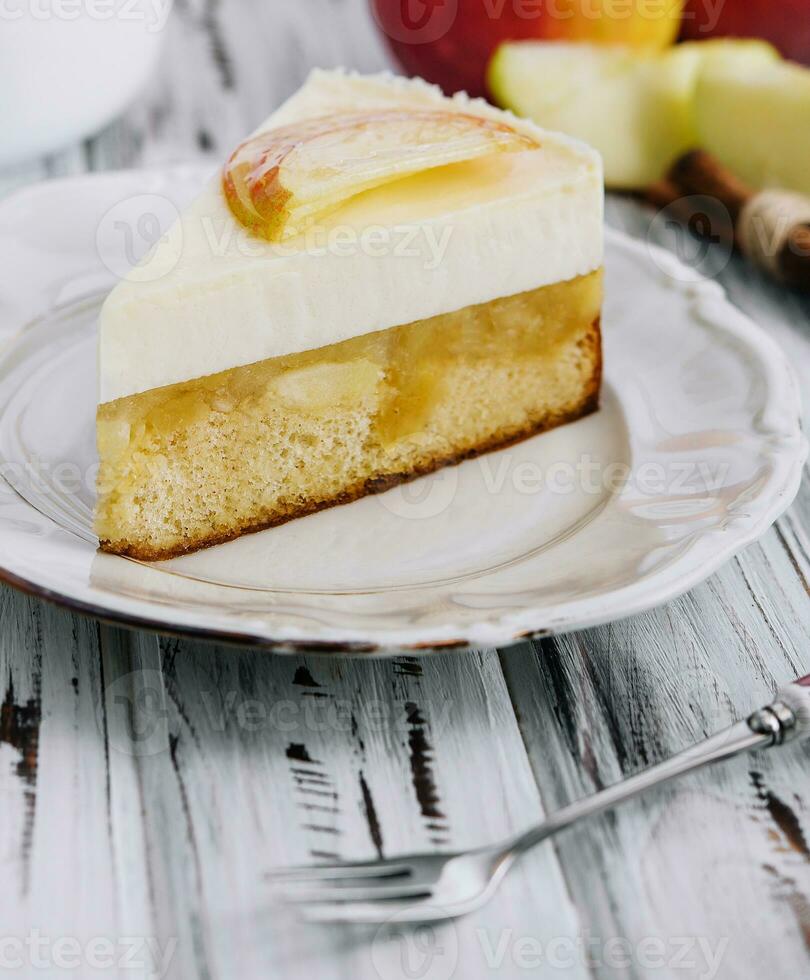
771, 227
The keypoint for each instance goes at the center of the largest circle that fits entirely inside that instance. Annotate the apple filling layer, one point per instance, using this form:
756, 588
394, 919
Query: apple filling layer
204, 461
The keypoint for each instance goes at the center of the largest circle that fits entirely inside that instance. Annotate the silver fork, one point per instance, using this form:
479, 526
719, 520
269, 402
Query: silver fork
427, 887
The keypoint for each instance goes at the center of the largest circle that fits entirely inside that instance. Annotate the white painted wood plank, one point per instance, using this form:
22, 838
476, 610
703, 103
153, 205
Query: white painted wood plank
20, 716
267, 761
131, 705
59, 887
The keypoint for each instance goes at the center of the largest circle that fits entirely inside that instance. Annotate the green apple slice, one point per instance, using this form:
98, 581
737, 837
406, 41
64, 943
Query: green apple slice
757, 123
635, 107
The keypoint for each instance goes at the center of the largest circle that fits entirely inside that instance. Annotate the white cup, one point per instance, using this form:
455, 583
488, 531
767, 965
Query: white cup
67, 67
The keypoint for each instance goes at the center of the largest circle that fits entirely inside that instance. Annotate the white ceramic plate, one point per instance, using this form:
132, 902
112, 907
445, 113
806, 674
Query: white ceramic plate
695, 452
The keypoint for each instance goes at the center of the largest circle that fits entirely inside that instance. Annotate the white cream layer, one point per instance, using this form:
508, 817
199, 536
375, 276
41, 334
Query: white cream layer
213, 297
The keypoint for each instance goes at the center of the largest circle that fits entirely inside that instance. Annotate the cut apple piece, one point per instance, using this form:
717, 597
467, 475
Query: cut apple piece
280, 181
635, 107
321, 387
758, 123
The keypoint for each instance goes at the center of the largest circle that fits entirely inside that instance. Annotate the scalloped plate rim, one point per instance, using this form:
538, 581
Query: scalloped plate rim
639, 596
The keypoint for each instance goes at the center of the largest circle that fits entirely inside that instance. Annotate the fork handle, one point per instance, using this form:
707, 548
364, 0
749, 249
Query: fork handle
785, 719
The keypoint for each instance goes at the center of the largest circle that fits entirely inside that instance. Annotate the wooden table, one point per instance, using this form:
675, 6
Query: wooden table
136, 828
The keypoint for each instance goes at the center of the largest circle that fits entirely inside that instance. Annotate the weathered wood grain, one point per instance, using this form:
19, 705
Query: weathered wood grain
57, 875
147, 784
247, 762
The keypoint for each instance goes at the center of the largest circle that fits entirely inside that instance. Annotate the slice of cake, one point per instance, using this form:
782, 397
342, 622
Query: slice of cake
381, 281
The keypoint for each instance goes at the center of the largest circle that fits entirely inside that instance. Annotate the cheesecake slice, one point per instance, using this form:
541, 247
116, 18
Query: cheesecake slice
380, 281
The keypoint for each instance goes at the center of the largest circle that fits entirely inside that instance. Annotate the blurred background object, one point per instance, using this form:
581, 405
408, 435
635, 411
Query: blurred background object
757, 122
67, 69
771, 228
785, 23
737, 99
449, 42
637, 107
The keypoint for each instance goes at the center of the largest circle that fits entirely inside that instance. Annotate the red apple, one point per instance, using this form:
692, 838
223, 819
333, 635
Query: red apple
450, 41
785, 23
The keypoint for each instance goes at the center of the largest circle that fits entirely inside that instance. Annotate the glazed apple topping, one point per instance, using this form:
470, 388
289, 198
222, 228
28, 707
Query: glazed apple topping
281, 181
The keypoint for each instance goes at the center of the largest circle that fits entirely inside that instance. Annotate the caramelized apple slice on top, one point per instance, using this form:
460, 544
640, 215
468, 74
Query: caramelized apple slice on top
280, 181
